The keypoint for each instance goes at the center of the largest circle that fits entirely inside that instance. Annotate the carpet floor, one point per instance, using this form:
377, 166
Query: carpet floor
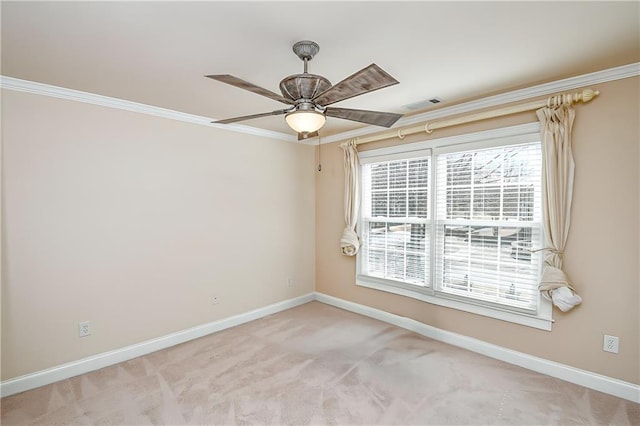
315, 364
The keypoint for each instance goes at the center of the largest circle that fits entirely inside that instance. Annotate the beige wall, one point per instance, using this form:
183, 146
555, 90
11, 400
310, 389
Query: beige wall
135, 222
601, 254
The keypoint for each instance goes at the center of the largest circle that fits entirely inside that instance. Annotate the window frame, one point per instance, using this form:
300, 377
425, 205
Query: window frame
527, 133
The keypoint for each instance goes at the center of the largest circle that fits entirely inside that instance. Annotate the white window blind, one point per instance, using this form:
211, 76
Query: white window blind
395, 220
488, 217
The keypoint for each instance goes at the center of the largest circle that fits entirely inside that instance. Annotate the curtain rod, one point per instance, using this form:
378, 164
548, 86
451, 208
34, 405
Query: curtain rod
568, 98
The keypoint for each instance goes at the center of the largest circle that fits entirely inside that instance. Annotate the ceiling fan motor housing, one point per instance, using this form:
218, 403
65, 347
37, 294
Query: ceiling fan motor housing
303, 86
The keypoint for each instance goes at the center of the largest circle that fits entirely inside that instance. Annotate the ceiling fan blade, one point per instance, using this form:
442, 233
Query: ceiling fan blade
303, 136
366, 80
384, 119
249, 117
237, 82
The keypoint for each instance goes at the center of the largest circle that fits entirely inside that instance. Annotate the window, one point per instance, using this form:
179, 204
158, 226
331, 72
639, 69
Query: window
396, 221
453, 223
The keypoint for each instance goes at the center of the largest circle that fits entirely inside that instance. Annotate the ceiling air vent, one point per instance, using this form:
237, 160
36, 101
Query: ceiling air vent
422, 104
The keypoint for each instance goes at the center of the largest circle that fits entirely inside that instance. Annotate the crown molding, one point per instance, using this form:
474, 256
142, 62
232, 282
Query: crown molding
611, 74
618, 73
33, 87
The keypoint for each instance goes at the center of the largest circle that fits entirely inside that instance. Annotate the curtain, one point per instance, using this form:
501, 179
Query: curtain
350, 242
556, 122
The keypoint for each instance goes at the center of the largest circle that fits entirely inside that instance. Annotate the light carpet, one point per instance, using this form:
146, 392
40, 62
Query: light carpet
315, 364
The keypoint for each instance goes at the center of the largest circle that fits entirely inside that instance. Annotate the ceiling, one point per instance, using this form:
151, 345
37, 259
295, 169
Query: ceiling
157, 53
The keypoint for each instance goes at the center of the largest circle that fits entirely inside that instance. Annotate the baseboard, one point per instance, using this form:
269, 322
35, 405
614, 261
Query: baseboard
570, 374
567, 373
71, 369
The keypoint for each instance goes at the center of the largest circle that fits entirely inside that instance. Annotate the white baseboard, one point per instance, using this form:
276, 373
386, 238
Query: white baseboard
567, 373
580, 377
105, 359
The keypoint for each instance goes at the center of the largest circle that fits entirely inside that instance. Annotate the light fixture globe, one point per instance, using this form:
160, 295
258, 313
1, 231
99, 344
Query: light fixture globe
305, 120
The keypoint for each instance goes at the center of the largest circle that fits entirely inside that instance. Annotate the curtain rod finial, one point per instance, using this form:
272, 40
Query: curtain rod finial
588, 94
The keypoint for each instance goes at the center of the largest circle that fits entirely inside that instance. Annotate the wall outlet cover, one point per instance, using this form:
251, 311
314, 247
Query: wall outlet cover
611, 344
84, 329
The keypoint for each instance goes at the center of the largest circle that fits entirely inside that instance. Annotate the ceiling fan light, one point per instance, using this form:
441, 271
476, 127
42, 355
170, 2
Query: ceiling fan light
305, 121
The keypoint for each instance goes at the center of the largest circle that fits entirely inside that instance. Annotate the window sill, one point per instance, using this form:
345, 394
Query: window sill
542, 322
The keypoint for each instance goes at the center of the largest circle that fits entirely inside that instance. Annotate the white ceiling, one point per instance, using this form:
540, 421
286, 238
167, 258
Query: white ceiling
157, 53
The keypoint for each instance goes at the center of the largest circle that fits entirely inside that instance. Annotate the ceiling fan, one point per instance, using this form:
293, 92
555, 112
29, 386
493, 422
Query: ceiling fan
309, 95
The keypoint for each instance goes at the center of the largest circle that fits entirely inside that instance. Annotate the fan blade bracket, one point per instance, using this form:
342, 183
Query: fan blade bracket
303, 136
242, 84
366, 80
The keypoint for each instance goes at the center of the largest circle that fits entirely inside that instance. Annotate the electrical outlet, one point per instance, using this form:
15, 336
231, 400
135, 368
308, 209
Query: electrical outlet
611, 344
84, 329
290, 282
215, 300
